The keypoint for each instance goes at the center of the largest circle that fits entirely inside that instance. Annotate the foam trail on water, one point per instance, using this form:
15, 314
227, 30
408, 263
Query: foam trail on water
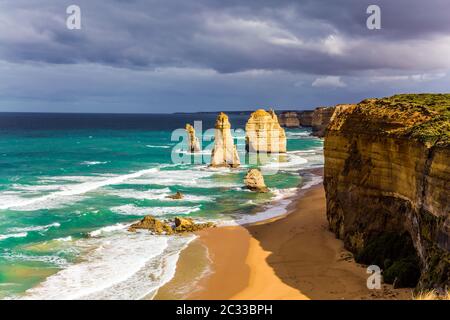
77, 189
13, 235
132, 210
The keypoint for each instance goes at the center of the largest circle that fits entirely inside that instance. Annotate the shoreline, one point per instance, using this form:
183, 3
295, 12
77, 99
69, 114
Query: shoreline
292, 256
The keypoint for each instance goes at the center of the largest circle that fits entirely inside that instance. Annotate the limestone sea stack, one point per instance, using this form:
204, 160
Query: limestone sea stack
254, 181
193, 142
224, 153
264, 133
387, 184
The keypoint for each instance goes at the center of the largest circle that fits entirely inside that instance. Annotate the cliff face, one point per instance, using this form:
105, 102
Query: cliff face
193, 142
387, 183
224, 153
289, 119
264, 133
295, 119
305, 118
320, 119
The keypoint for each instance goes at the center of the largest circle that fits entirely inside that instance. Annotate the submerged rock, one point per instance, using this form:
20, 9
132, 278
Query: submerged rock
176, 196
193, 142
224, 153
153, 225
264, 133
254, 181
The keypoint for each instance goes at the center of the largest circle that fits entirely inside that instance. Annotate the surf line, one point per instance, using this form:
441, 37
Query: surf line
80, 188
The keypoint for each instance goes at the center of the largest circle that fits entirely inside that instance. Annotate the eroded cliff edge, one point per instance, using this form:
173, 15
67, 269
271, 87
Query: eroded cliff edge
387, 183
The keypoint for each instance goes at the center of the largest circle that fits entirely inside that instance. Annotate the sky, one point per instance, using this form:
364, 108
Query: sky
162, 56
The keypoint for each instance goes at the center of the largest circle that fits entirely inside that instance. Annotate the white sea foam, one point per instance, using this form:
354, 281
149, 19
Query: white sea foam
132, 210
73, 190
297, 135
34, 228
35, 188
157, 146
13, 235
93, 163
107, 229
156, 194
120, 266
314, 180
186, 178
53, 260
64, 239
294, 163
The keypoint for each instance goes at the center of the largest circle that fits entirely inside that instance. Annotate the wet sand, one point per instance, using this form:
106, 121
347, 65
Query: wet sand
291, 257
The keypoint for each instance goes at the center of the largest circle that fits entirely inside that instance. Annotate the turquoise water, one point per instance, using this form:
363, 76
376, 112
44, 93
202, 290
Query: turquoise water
67, 196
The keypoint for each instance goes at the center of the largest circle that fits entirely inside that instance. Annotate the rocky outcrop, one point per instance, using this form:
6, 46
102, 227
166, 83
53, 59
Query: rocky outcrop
387, 183
254, 181
177, 196
153, 225
183, 225
193, 142
289, 119
320, 119
177, 225
264, 133
224, 153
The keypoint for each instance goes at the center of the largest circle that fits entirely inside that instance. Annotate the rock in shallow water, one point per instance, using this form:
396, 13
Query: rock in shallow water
254, 181
176, 196
178, 225
153, 225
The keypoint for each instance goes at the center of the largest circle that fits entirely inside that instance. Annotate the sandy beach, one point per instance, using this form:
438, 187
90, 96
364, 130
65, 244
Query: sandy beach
294, 256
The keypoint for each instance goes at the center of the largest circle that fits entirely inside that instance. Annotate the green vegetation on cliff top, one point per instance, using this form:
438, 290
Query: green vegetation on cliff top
425, 117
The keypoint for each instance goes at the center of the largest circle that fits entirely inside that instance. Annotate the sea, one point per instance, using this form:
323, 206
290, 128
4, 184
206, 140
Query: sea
71, 184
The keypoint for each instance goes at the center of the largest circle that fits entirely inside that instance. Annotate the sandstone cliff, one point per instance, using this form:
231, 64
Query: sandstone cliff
193, 142
387, 183
320, 119
305, 117
295, 119
264, 133
289, 119
224, 153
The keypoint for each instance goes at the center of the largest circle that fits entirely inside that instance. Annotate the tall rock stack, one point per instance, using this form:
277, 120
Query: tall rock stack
224, 153
193, 142
264, 133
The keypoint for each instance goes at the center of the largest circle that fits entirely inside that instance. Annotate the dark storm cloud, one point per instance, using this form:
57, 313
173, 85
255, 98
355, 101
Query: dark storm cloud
317, 37
180, 55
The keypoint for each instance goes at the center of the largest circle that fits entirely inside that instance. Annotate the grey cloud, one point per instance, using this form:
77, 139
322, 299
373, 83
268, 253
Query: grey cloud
227, 36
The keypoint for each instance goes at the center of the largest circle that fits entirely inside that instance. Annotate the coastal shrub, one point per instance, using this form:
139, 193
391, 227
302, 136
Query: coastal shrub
386, 248
404, 272
395, 253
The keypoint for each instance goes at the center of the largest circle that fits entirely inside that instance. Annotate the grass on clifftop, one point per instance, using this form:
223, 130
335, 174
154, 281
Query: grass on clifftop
425, 117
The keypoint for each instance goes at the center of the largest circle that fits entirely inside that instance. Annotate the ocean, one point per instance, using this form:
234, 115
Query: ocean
71, 184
